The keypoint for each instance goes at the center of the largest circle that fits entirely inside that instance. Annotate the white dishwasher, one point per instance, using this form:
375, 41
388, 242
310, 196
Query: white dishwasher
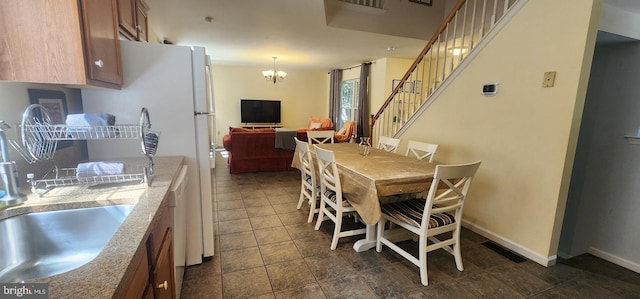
178, 221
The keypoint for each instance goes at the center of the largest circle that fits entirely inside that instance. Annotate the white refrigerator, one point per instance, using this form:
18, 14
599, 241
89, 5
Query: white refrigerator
174, 83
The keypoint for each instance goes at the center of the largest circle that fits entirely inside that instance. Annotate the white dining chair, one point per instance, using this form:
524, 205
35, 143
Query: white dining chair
421, 150
320, 136
332, 204
440, 212
309, 189
388, 144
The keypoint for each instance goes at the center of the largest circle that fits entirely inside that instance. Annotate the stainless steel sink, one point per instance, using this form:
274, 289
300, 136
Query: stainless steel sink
43, 244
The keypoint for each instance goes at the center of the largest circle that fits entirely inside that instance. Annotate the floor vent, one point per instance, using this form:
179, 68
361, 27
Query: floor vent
504, 252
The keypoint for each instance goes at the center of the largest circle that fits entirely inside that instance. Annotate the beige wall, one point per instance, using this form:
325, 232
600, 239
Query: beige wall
303, 94
526, 134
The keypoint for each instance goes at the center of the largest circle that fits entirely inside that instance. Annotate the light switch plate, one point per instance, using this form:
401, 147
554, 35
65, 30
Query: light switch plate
549, 79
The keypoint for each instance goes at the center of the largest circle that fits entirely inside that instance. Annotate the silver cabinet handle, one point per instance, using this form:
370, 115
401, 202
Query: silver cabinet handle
99, 63
163, 285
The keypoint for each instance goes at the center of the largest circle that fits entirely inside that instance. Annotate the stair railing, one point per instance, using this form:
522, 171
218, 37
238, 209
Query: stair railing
461, 31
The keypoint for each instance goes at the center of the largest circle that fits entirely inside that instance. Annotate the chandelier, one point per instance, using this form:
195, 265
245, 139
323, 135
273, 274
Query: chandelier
274, 75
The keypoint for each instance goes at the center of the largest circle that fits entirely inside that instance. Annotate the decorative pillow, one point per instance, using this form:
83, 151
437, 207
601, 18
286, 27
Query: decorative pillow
315, 125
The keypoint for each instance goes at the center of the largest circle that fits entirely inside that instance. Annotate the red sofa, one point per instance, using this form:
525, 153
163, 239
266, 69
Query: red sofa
255, 150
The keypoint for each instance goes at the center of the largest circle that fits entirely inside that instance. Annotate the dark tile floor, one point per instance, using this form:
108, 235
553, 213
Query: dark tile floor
266, 249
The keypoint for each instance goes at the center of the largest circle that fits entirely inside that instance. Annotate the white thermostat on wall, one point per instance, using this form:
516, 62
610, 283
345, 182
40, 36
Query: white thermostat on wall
490, 89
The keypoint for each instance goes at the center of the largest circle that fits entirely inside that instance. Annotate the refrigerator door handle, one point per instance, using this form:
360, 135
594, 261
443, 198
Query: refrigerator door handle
204, 113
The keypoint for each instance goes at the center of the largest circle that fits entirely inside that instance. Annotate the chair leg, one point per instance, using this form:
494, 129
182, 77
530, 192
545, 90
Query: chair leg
336, 231
320, 215
312, 208
422, 258
301, 199
458, 256
379, 231
456, 249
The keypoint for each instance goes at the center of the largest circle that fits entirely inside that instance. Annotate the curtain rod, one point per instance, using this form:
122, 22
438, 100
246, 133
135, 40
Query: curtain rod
357, 65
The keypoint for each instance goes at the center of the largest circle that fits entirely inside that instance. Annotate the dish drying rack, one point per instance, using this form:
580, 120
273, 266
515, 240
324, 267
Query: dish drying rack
40, 138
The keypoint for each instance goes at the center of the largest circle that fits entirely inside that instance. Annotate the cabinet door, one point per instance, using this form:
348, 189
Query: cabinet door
148, 293
138, 283
41, 42
163, 276
127, 18
141, 19
102, 47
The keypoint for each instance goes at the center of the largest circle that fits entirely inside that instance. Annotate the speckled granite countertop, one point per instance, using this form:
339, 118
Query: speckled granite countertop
100, 278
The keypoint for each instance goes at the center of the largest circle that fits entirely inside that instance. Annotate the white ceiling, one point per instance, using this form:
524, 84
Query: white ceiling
250, 32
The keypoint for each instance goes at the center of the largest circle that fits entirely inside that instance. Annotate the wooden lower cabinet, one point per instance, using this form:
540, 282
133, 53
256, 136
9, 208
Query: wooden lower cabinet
148, 293
136, 286
163, 277
152, 267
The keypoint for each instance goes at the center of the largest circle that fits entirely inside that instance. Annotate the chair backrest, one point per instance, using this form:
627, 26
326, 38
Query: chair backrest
324, 136
388, 144
448, 190
421, 150
328, 171
307, 169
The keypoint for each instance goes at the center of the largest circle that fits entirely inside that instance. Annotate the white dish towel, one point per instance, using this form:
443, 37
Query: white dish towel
90, 119
91, 169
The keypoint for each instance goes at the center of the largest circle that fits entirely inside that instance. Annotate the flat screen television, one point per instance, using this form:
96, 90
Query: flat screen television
259, 111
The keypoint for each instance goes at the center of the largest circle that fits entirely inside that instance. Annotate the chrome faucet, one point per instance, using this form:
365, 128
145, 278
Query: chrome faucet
8, 172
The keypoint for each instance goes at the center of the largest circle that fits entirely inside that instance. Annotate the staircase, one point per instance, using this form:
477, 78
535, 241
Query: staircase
463, 31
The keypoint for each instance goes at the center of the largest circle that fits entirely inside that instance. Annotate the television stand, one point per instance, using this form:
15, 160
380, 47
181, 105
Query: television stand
260, 126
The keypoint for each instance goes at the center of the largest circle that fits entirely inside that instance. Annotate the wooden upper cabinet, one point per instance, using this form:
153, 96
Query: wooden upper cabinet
60, 42
102, 47
127, 18
141, 18
132, 16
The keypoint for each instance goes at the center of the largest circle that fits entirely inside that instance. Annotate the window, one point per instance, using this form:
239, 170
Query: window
349, 91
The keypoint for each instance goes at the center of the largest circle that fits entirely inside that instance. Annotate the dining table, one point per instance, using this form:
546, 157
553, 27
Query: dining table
366, 180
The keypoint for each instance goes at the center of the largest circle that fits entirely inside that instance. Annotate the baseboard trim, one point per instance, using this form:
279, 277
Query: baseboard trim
633, 266
509, 244
564, 255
